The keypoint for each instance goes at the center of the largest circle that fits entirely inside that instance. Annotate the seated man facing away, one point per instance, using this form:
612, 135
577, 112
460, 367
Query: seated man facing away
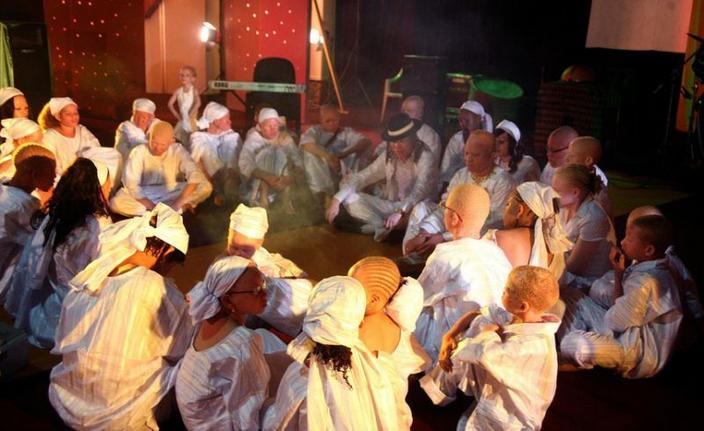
460, 275
331, 152
425, 225
634, 335
586, 150
556, 149
504, 357
215, 149
152, 175
407, 166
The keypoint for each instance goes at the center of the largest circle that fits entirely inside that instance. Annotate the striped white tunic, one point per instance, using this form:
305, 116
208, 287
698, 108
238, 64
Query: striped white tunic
120, 348
16, 208
223, 387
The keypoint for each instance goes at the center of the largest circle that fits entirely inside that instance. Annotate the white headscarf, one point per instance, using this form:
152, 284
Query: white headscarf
213, 111
106, 160
267, 114
56, 104
406, 304
476, 108
549, 236
511, 128
120, 240
7, 93
16, 128
250, 222
204, 298
144, 105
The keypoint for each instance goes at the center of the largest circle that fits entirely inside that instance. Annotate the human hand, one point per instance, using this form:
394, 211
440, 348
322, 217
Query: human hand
448, 346
416, 242
429, 245
618, 260
392, 220
333, 161
333, 210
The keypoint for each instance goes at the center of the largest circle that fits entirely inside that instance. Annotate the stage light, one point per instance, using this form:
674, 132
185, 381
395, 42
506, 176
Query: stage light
315, 38
208, 33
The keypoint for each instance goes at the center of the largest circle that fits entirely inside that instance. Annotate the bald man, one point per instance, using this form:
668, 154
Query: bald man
586, 150
152, 175
558, 143
461, 275
426, 228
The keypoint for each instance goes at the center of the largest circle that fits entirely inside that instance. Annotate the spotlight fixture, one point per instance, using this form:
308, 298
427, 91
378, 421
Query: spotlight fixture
315, 38
208, 33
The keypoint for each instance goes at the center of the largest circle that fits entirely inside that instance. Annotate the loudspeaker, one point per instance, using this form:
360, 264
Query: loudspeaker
30, 60
425, 76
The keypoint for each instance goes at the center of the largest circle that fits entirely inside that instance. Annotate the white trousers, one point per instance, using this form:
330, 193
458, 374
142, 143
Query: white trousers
426, 216
372, 210
123, 202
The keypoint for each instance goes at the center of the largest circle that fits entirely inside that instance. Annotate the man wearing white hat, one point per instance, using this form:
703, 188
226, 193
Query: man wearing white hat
287, 287
152, 175
133, 132
472, 117
123, 327
215, 150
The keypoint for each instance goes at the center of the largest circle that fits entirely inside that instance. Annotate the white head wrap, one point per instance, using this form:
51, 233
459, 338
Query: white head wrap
267, 114
144, 105
16, 128
476, 108
250, 222
109, 158
213, 111
406, 304
56, 104
204, 298
7, 93
510, 128
549, 236
120, 240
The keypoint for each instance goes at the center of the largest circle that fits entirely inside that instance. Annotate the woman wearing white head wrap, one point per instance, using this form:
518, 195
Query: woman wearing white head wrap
123, 327
13, 104
62, 132
222, 380
510, 153
341, 383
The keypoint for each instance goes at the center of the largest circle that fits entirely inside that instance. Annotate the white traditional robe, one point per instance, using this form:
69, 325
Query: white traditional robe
407, 183
428, 216
526, 170
547, 174
223, 387
16, 209
318, 174
459, 276
67, 150
636, 334
158, 178
216, 152
128, 136
513, 377
453, 158
277, 158
120, 348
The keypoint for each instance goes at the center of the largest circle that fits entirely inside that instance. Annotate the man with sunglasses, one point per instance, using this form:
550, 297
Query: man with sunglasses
556, 148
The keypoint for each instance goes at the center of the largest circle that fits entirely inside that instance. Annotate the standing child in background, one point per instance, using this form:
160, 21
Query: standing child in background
188, 104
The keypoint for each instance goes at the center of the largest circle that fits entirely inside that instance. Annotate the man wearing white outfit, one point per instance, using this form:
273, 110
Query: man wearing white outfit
472, 117
152, 176
133, 132
462, 275
215, 149
556, 148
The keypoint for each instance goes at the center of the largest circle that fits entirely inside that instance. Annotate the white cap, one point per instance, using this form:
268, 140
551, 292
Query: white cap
56, 104
16, 128
213, 111
474, 107
144, 105
250, 222
267, 114
106, 160
7, 93
510, 128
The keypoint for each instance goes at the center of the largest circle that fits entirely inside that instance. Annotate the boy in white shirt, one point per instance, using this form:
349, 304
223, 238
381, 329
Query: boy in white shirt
507, 358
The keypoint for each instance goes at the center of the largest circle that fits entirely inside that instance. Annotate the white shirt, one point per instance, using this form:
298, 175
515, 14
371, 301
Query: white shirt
591, 223
345, 139
459, 276
223, 387
689, 293
128, 136
548, 173
120, 347
526, 170
515, 375
420, 169
216, 151
272, 157
16, 209
453, 159
145, 169
67, 150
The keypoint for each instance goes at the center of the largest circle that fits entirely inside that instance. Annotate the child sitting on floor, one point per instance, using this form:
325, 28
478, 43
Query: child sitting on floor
586, 151
506, 359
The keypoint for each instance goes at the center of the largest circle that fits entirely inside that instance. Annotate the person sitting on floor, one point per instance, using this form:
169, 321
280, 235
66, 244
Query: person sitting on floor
335, 382
460, 275
532, 233
215, 149
425, 226
556, 149
287, 284
407, 166
223, 377
35, 169
636, 333
331, 152
393, 306
586, 150
13, 103
152, 176
133, 132
586, 224
472, 117
123, 328
64, 243
510, 154
504, 357
16, 131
